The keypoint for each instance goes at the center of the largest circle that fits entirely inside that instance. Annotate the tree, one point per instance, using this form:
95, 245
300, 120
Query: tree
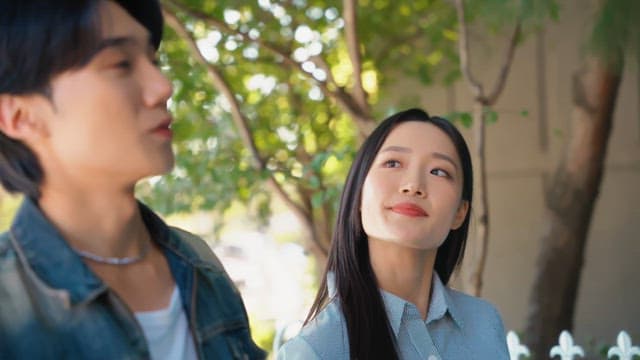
481, 101
327, 64
572, 189
289, 89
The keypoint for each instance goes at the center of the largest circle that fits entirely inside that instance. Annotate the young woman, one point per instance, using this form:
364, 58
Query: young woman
401, 230
87, 271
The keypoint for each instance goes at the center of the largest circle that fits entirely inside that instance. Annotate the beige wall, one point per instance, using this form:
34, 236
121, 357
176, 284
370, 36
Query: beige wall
609, 293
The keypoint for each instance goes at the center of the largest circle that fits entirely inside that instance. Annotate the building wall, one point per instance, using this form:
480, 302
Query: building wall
521, 150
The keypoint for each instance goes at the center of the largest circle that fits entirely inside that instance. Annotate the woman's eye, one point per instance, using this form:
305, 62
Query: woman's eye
440, 172
392, 163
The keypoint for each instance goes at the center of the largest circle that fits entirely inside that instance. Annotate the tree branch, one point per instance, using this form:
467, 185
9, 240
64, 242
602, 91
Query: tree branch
343, 99
465, 66
317, 226
507, 60
222, 26
320, 62
239, 119
410, 39
353, 46
463, 48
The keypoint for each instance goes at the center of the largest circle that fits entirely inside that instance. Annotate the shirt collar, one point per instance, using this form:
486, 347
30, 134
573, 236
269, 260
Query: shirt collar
52, 260
439, 305
395, 307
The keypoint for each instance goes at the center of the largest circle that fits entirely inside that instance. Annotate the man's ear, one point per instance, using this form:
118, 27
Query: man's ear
15, 121
460, 214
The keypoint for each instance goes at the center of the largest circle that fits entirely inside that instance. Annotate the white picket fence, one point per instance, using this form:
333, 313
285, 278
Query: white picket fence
568, 350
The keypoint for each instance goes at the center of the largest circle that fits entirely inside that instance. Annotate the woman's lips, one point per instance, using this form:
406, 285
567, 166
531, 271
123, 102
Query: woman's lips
409, 209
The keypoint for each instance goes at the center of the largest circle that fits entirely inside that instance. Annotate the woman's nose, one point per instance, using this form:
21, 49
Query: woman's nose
412, 189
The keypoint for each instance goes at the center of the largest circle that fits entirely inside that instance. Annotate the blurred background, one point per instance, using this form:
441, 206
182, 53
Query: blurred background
272, 99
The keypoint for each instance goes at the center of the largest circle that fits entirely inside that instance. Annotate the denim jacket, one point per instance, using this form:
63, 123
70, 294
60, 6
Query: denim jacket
52, 306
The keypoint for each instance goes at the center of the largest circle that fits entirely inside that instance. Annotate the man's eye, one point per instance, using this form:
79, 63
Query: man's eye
440, 172
124, 64
392, 163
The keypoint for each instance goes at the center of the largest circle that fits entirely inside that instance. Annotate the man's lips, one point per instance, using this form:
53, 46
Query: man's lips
163, 129
409, 209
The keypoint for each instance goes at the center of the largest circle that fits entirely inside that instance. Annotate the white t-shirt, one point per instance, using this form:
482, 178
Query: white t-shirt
167, 331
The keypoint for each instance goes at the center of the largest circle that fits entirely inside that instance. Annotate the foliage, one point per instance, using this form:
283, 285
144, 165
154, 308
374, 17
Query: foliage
301, 132
8, 207
497, 15
616, 31
263, 333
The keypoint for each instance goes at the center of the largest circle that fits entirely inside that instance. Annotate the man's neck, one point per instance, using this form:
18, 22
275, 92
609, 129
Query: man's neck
107, 224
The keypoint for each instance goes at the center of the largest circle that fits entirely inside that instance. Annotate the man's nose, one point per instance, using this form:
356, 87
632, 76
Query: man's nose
158, 87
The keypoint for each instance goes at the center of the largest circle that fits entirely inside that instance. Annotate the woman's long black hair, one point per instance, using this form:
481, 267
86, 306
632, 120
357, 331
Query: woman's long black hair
369, 331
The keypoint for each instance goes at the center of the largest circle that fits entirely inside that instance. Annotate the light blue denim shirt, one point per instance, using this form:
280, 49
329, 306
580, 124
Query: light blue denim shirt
458, 326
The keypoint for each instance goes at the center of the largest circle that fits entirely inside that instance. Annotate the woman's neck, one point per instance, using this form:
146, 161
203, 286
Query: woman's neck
403, 271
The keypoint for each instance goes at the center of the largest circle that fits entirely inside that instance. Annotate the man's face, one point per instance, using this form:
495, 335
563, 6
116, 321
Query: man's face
108, 121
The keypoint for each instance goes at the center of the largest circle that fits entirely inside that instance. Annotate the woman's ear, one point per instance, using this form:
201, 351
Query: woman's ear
460, 214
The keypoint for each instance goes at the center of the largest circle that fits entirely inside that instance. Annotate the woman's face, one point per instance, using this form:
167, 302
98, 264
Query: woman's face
412, 193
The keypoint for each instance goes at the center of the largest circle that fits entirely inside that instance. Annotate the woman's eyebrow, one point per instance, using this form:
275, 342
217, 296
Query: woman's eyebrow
437, 155
397, 149
445, 157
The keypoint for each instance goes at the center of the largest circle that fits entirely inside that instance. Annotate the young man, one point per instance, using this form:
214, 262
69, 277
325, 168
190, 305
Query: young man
86, 271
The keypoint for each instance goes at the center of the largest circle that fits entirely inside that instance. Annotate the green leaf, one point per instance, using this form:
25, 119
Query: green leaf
317, 199
314, 182
466, 119
319, 160
558, 133
491, 117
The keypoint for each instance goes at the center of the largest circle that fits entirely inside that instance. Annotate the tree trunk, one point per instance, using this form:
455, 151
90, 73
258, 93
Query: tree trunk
323, 237
570, 196
481, 204
473, 283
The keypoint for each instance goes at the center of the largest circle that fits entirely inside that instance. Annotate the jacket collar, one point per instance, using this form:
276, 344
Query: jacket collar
53, 261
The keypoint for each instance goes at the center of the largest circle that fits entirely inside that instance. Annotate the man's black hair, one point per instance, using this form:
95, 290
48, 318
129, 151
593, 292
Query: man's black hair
40, 39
